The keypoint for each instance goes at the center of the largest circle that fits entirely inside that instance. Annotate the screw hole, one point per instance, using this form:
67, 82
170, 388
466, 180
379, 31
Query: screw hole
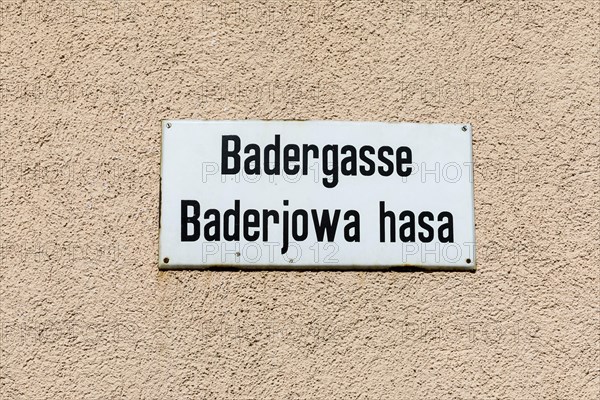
468, 261
169, 125
237, 254
166, 260
464, 128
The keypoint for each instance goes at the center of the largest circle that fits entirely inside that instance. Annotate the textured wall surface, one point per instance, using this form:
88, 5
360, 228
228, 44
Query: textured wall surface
84, 311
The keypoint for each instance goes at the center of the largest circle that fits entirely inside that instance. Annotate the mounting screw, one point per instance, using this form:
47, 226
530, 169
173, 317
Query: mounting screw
169, 125
464, 128
166, 260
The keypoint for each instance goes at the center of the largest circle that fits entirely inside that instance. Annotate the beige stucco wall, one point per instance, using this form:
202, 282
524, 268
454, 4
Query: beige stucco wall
85, 313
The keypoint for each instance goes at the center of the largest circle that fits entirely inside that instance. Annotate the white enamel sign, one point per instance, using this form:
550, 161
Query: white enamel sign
316, 195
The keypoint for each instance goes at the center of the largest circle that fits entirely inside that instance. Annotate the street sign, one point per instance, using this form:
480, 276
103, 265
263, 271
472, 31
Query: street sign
316, 195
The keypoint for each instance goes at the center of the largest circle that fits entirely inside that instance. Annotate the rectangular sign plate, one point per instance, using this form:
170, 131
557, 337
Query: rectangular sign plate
316, 195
